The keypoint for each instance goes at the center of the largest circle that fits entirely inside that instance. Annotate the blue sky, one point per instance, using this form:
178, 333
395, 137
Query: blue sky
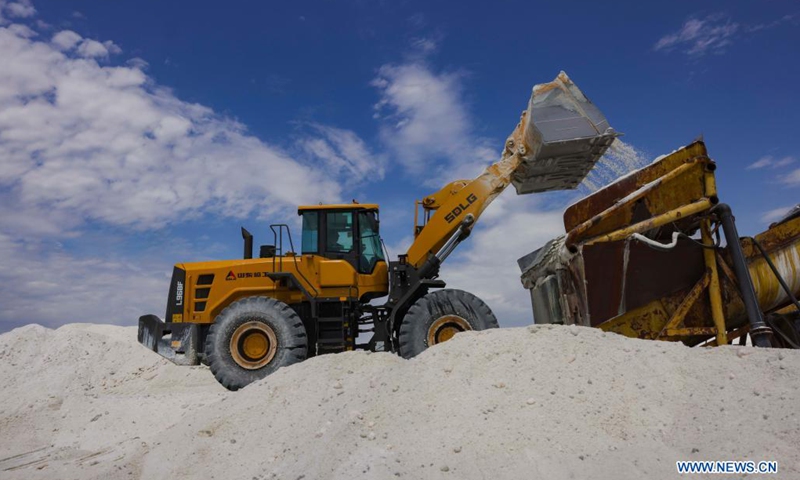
134, 135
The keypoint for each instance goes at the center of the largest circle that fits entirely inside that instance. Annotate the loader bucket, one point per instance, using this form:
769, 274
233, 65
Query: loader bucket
565, 134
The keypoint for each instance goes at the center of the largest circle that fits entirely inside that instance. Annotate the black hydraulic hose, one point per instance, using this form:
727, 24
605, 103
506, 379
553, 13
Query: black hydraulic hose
777, 274
759, 331
430, 268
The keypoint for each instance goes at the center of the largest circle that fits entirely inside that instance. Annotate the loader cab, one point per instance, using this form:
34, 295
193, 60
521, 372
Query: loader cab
346, 232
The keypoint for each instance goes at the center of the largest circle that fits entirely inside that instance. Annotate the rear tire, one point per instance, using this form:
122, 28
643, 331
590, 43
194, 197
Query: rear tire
252, 338
437, 316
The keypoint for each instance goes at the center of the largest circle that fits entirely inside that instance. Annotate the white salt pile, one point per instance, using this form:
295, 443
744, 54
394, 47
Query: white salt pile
86, 401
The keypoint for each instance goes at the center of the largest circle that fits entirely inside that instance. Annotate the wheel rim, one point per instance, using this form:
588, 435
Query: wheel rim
253, 345
444, 328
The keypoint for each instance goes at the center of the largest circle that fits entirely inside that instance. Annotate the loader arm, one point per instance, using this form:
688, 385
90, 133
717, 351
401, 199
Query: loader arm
463, 197
556, 143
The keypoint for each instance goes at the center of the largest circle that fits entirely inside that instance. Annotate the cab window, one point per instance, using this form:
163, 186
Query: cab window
371, 251
339, 232
310, 232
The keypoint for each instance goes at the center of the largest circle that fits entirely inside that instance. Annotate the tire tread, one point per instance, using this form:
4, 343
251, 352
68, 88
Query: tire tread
413, 329
230, 375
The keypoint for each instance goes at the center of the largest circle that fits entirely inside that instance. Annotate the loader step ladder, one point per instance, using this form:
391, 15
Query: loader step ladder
333, 332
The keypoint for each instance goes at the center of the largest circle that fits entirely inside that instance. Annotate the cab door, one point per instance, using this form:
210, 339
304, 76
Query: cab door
338, 239
339, 248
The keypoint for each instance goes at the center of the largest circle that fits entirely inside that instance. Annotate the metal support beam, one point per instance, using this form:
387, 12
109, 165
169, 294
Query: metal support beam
759, 330
574, 236
714, 293
655, 222
680, 313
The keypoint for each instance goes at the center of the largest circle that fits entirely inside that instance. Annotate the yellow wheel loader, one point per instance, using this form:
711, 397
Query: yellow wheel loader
247, 318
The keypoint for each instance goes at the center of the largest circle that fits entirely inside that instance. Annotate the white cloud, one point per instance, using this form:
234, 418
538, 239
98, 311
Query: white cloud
86, 145
700, 36
425, 45
775, 214
137, 63
66, 39
43, 283
760, 163
772, 24
401, 245
94, 49
425, 122
486, 264
792, 179
35, 221
107, 144
344, 153
17, 9
22, 30
770, 161
712, 34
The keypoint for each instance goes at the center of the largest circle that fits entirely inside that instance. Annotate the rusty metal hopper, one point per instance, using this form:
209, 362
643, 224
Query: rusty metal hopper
565, 134
631, 262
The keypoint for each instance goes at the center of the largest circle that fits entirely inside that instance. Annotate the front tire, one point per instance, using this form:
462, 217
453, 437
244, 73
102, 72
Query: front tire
252, 338
438, 316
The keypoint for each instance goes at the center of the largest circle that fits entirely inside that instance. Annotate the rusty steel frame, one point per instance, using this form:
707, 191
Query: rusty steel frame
574, 235
679, 314
658, 221
726, 269
679, 177
714, 291
734, 334
675, 195
709, 282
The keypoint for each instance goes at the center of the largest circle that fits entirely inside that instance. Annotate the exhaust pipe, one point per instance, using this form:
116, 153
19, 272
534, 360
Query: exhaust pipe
248, 244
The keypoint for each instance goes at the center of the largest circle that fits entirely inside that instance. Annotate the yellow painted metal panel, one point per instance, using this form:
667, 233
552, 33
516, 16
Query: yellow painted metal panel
336, 273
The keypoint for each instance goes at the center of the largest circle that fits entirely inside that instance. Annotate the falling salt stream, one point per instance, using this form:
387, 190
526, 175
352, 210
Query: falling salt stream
620, 159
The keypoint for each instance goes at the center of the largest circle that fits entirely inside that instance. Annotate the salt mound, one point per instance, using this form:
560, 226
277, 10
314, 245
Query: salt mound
78, 401
549, 402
